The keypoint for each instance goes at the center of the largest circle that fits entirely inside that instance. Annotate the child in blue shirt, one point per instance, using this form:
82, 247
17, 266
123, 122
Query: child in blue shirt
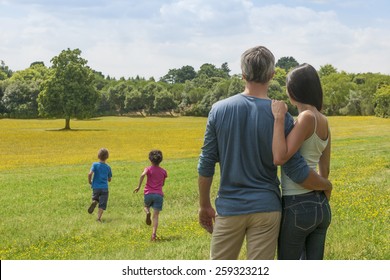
98, 177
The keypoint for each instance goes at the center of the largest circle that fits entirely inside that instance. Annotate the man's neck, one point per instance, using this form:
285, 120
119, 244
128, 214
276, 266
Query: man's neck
256, 90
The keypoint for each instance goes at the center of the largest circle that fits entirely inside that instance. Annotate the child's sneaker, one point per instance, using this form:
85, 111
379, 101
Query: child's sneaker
92, 207
154, 237
148, 220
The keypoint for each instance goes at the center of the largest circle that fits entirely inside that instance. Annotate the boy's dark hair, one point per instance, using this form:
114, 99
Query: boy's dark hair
304, 85
155, 156
103, 154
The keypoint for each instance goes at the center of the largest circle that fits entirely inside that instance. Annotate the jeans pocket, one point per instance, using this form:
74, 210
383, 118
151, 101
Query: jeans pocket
305, 217
328, 213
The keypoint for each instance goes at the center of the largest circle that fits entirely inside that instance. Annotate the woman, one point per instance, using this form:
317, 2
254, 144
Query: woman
306, 212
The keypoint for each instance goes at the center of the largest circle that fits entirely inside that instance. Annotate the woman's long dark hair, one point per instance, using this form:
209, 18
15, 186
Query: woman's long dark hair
304, 85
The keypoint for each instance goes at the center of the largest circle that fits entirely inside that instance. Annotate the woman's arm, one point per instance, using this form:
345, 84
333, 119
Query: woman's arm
324, 164
283, 148
279, 145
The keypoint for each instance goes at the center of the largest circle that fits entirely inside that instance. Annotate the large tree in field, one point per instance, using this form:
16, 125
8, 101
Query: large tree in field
69, 91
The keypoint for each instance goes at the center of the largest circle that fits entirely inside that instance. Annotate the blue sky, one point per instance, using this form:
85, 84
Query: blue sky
147, 38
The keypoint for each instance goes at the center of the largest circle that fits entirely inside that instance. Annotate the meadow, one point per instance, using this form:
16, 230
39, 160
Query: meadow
45, 191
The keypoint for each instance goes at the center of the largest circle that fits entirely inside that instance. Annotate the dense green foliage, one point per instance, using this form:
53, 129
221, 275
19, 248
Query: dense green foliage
70, 89
287, 63
382, 100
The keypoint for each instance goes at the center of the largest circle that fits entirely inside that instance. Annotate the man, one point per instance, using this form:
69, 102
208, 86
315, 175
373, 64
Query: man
239, 136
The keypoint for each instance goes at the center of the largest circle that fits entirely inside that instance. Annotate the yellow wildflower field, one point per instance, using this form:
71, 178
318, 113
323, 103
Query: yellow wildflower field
43, 143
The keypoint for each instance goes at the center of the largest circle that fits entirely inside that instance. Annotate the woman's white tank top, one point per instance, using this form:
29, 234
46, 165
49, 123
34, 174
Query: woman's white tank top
311, 150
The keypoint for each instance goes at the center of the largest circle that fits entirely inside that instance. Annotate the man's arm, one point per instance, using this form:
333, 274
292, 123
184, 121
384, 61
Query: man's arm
316, 182
206, 168
206, 211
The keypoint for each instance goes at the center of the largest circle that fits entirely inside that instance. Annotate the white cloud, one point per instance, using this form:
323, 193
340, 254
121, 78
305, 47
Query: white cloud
147, 38
319, 38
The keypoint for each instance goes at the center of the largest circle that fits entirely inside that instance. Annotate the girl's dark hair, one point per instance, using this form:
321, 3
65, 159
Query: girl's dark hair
155, 156
304, 85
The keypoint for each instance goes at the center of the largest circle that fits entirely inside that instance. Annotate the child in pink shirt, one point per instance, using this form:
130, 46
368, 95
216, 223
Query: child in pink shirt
153, 194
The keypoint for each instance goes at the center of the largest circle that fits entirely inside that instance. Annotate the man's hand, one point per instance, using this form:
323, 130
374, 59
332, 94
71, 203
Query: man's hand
327, 194
207, 218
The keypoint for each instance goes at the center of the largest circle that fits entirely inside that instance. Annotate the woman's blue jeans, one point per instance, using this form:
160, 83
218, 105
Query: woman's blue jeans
305, 220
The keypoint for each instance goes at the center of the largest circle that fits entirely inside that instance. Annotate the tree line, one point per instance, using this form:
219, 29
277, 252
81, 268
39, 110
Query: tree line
71, 89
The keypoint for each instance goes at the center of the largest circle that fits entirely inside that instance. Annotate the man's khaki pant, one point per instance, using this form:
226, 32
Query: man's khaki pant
260, 229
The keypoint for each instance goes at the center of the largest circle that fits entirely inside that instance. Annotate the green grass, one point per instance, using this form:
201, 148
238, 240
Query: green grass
44, 201
46, 215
